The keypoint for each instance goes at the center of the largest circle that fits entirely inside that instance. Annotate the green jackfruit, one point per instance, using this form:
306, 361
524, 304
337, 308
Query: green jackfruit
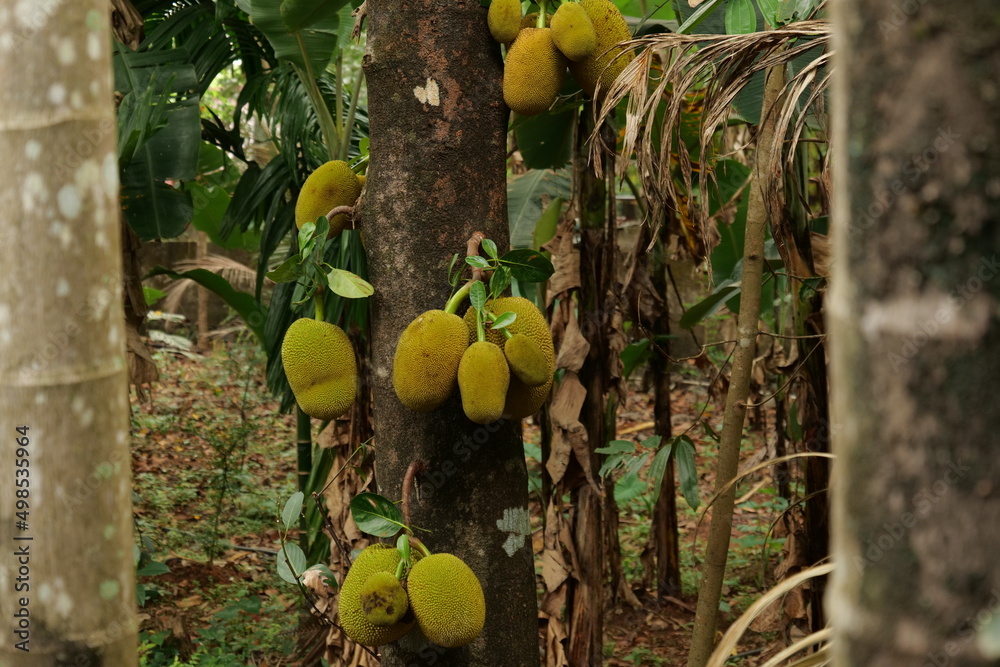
383, 599
331, 185
425, 367
533, 72
504, 19
320, 367
376, 558
526, 360
522, 400
573, 32
604, 64
483, 378
447, 600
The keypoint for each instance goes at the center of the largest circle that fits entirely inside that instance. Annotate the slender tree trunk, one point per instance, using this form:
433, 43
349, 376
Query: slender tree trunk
65, 488
437, 174
717, 550
915, 330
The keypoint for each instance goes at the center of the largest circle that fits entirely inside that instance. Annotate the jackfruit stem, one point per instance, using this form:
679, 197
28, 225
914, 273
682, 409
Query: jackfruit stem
507, 335
480, 327
457, 298
540, 22
399, 569
318, 302
420, 546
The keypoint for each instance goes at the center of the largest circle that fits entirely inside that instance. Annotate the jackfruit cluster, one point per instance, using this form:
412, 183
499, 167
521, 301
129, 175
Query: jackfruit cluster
441, 594
319, 363
331, 185
428, 354
583, 35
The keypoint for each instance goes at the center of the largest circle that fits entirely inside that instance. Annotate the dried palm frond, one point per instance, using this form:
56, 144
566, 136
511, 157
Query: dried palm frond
239, 275
669, 68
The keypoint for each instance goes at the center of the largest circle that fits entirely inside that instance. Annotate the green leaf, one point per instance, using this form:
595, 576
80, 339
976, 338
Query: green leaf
152, 295
349, 285
528, 195
741, 18
320, 39
252, 311
477, 295
769, 9
293, 507
687, 471
490, 247
503, 321
499, 282
617, 447
299, 14
477, 262
291, 562
708, 305
152, 569
287, 272
548, 224
546, 140
376, 515
328, 578
657, 468
696, 17
528, 265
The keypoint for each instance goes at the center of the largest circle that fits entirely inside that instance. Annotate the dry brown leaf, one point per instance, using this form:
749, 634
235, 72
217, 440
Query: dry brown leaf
565, 261
573, 348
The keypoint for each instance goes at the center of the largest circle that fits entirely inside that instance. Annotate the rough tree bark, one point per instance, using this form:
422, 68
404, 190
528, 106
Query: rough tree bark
915, 333
438, 173
66, 570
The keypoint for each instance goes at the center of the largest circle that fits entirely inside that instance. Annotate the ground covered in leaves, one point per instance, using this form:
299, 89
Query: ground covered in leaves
214, 461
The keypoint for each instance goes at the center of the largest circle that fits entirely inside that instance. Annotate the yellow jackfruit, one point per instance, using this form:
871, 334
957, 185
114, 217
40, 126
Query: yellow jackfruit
526, 360
533, 72
320, 367
425, 366
504, 19
331, 185
573, 32
361, 180
376, 558
447, 599
483, 378
522, 400
611, 29
383, 599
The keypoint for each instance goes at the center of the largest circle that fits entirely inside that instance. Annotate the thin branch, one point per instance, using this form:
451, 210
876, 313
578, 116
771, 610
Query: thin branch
414, 469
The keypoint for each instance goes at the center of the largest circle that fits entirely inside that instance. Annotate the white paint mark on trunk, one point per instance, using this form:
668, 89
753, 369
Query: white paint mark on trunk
428, 94
517, 522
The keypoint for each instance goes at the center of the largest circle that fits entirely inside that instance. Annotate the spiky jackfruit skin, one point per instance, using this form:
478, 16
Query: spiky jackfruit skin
533, 72
526, 360
425, 366
447, 599
320, 367
383, 599
332, 184
522, 400
573, 32
374, 559
610, 28
361, 181
483, 378
504, 19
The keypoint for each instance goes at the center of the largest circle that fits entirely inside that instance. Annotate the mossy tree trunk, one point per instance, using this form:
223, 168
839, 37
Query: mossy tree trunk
915, 334
66, 567
437, 174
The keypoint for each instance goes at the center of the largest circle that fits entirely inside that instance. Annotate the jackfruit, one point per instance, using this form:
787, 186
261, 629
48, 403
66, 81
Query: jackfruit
320, 367
573, 32
526, 360
522, 400
610, 28
361, 180
531, 21
447, 600
332, 184
425, 366
504, 19
533, 72
483, 378
373, 560
383, 599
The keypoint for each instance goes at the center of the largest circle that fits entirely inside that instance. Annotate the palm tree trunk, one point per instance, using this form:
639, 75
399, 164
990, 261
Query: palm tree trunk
65, 483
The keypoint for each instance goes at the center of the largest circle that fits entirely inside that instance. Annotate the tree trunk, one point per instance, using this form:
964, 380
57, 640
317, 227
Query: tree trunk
437, 174
717, 549
65, 507
915, 332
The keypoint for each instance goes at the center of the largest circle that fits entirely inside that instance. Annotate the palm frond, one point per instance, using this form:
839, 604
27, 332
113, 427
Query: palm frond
669, 68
